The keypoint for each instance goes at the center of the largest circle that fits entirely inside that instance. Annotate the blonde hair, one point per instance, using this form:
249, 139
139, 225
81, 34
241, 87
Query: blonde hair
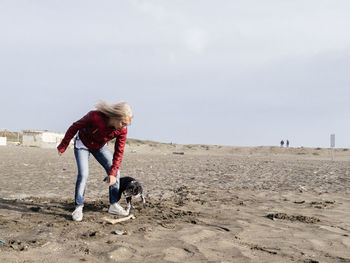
119, 110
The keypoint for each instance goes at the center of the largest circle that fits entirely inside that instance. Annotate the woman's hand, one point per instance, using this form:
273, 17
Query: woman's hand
59, 153
111, 180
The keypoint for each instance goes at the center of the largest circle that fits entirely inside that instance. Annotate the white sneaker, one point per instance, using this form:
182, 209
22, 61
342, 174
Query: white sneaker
117, 210
77, 215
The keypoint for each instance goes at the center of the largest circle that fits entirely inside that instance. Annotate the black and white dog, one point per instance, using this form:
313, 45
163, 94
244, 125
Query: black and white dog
131, 189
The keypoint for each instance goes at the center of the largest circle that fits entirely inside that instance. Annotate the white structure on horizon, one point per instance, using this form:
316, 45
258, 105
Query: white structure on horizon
3, 141
42, 139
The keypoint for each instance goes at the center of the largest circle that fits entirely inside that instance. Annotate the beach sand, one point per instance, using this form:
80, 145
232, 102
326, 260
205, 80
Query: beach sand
209, 204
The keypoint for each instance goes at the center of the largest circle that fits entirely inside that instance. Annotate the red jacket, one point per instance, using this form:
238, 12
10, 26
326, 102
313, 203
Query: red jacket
94, 133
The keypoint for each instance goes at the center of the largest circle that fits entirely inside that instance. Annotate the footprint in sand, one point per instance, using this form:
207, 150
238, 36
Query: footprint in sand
198, 236
121, 253
209, 245
175, 254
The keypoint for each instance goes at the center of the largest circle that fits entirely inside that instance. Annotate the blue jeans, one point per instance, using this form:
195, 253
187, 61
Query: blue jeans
104, 157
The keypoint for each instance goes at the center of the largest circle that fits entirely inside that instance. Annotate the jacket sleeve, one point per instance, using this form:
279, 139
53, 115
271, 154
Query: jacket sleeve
72, 130
118, 152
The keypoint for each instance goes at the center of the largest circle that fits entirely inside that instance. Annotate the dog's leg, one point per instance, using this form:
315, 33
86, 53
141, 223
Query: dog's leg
128, 204
143, 199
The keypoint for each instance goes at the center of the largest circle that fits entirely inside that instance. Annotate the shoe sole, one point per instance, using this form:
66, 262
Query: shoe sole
77, 220
116, 213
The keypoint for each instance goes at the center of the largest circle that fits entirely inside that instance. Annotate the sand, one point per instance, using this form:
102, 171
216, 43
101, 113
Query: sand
209, 204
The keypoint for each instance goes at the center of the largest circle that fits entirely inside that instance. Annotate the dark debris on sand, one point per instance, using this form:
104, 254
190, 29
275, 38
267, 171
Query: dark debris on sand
300, 218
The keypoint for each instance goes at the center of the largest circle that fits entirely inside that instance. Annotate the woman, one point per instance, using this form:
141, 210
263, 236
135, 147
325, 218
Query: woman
93, 131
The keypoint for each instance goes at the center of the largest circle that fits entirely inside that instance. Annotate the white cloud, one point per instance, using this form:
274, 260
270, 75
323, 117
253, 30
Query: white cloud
196, 40
152, 8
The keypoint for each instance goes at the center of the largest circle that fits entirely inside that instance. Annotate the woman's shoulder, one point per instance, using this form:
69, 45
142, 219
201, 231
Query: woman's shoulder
97, 116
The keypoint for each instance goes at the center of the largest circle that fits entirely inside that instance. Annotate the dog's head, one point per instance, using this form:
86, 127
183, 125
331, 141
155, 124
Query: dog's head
133, 189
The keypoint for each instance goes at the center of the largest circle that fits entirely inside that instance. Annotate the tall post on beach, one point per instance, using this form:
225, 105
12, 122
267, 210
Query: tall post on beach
332, 145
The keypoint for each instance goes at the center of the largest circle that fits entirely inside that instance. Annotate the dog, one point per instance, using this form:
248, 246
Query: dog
131, 189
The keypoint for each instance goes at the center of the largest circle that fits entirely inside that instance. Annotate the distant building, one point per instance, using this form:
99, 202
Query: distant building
42, 139
3, 141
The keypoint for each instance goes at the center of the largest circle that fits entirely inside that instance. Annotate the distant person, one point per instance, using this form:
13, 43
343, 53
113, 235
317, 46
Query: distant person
287, 143
282, 143
93, 131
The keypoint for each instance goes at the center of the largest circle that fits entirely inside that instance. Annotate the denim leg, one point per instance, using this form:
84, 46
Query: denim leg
114, 195
82, 159
105, 158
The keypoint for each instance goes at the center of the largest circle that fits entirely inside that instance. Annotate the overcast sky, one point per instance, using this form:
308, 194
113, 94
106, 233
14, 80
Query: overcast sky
195, 71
